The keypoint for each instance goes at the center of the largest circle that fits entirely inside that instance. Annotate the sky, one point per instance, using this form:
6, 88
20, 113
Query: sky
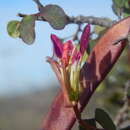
24, 67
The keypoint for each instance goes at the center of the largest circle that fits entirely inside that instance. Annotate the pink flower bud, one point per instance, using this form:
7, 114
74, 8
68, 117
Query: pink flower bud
57, 46
84, 39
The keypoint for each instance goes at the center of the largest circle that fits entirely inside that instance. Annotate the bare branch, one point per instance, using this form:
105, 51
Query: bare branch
39, 5
81, 19
91, 20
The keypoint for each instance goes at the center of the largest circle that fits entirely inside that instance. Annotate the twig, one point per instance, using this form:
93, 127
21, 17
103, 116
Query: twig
119, 119
91, 20
80, 19
39, 5
75, 20
75, 36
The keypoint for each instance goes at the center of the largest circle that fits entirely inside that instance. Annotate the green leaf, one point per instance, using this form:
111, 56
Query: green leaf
126, 15
126, 12
55, 15
13, 28
117, 10
119, 3
104, 119
91, 122
90, 46
127, 5
27, 31
121, 7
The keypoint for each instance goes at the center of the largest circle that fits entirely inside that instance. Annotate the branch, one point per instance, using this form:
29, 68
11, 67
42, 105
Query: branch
79, 20
75, 35
105, 22
39, 5
91, 20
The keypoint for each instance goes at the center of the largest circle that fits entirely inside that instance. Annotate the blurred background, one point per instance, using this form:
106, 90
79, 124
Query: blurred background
27, 83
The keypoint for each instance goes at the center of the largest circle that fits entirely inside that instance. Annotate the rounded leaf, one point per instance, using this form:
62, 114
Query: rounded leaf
104, 119
27, 31
55, 15
13, 28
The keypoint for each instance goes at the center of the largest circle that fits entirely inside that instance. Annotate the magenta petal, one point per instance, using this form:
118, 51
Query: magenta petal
58, 46
84, 39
